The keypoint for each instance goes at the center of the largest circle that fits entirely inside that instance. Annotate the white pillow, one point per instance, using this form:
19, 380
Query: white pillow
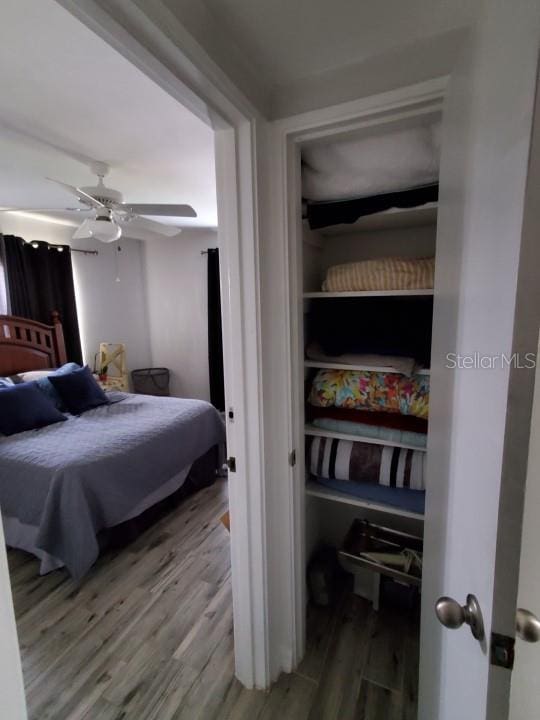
35, 374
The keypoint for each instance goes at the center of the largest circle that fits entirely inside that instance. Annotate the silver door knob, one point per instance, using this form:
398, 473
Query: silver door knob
453, 615
527, 625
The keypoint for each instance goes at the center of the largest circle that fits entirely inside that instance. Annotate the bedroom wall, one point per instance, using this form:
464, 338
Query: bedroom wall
176, 281
159, 307
112, 311
108, 310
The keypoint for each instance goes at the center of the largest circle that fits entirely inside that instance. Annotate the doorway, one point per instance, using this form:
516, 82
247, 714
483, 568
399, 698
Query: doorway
239, 278
323, 516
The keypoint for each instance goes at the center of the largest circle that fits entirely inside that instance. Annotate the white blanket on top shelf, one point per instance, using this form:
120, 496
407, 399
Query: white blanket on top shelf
383, 363
374, 165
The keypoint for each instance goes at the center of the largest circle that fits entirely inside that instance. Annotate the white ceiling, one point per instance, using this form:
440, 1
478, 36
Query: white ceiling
287, 40
68, 98
289, 56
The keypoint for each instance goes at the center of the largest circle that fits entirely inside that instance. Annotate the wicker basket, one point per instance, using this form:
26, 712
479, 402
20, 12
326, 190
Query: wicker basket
151, 381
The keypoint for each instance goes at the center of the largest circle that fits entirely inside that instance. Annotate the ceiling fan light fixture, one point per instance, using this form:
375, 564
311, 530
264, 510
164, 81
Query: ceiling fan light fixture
104, 229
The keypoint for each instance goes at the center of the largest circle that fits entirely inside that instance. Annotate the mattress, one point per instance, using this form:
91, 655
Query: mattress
61, 485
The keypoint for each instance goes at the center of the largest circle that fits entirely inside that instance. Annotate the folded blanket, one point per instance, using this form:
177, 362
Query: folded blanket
402, 365
367, 463
407, 423
402, 498
361, 389
381, 274
380, 161
388, 435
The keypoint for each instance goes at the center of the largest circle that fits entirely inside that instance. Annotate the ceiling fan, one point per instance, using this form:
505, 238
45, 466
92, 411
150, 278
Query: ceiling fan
111, 217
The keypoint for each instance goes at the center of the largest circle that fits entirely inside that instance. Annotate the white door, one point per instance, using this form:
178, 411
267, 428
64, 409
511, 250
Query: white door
525, 690
486, 307
12, 700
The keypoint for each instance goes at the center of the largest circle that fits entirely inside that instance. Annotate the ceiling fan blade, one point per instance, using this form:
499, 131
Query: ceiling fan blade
43, 210
143, 225
80, 194
83, 231
158, 209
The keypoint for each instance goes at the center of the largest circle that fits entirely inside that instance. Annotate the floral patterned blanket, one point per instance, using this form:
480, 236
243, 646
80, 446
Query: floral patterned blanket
355, 389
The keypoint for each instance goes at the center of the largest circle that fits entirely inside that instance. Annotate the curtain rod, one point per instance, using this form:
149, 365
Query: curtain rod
35, 244
85, 252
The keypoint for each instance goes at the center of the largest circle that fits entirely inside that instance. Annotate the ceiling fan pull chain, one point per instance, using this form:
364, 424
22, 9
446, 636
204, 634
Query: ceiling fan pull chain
117, 262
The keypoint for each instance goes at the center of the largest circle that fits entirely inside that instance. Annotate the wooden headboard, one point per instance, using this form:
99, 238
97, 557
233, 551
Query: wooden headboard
29, 345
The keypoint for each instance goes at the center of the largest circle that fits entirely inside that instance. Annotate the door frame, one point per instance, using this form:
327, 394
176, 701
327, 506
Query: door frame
190, 77
287, 135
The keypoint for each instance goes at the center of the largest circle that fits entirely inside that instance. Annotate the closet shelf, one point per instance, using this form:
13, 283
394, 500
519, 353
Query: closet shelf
346, 366
313, 431
313, 489
366, 293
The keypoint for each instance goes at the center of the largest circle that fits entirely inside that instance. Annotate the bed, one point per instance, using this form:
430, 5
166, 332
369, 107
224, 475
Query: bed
63, 485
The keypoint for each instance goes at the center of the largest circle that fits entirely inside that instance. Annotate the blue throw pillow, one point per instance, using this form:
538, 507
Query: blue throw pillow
48, 389
78, 390
25, 407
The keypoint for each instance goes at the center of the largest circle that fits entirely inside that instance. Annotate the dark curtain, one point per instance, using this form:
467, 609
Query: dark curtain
215, 339
40, 280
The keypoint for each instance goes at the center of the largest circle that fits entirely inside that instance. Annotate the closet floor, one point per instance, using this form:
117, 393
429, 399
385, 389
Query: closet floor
147, 635
364, 664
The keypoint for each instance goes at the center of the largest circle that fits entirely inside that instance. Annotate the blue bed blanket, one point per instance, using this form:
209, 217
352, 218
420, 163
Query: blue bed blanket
72, 479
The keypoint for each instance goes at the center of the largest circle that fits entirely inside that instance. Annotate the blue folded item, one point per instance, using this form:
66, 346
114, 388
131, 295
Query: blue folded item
78, 390
48, 389
24, 407
387, 435
403, 498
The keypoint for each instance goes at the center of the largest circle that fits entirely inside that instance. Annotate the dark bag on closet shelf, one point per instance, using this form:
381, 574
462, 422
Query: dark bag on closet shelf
337, 212
151, 381
386, 326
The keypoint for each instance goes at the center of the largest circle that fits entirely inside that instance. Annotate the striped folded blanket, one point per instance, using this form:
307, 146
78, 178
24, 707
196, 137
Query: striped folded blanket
381, 274
366, 463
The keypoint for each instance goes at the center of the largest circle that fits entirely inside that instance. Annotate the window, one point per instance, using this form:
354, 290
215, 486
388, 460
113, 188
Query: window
3, 290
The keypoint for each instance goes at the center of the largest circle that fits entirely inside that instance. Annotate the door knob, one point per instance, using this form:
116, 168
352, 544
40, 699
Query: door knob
453, 615
527, 625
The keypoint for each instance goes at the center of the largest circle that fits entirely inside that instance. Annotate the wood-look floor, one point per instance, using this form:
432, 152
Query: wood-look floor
147, 635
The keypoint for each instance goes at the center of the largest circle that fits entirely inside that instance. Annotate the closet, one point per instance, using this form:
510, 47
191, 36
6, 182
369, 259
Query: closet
368, 244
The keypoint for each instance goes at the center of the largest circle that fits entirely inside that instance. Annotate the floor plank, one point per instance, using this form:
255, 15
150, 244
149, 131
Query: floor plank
320, 626
343, 671
385, 662
377, 703
148, 635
